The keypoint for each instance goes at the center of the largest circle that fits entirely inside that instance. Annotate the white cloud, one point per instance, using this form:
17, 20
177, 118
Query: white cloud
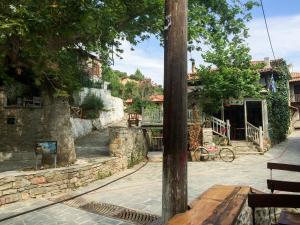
285, 34
151, 65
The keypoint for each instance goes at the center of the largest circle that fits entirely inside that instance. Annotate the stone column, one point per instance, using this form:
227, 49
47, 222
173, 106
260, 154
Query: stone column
2, 98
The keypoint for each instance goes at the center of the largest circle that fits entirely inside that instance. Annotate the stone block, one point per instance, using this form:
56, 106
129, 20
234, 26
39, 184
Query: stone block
9, 191
21, 183
6, 186
38, 180
11, 198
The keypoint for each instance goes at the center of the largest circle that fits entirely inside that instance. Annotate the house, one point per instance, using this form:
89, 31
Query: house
246, 118
126, 80
295, 99
295, 89
158, 100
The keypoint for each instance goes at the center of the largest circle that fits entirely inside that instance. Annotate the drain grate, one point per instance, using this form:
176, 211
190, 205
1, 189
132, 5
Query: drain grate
122, 213
109, 210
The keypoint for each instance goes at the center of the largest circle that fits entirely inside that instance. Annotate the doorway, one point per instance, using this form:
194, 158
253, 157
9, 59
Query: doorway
254, 113
236, 115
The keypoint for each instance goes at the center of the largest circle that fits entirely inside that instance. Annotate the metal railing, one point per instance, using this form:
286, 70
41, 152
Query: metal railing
254, 134
221, 127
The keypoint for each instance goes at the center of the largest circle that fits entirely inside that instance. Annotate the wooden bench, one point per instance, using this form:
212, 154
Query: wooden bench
219, 205
279, 200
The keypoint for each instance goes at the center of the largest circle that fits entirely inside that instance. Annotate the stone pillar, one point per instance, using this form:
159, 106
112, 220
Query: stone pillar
207, 136
3, 99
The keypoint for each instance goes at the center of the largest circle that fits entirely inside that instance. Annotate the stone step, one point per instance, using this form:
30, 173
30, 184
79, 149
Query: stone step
241, 143
249, 153
297, 124
155, 156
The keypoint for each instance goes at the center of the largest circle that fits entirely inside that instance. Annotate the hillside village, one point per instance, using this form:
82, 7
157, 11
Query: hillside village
84, 142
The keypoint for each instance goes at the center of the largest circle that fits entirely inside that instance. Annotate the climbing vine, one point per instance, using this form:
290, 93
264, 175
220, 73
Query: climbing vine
278, 103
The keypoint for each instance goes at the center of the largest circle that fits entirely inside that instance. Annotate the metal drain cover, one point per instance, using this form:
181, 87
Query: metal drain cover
122, 213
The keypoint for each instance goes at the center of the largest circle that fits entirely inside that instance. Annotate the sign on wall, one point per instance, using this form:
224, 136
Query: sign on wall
233, 101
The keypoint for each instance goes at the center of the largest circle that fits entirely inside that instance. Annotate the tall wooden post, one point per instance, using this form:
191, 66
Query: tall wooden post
174, 198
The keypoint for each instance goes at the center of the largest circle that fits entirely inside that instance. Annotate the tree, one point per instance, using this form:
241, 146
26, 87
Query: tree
230, 74
138, 76
42, 43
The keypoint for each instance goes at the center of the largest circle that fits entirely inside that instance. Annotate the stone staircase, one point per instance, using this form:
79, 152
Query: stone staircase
297, 125
245, 148
155, 156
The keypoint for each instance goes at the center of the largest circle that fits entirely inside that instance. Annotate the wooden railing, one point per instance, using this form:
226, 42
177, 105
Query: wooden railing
221, 127
155, 117
76, 112
295, 97
254, 134
157, 143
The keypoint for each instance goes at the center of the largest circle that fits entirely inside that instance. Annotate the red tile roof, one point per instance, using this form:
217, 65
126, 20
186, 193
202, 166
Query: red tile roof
295, 76
129, 101
156, 98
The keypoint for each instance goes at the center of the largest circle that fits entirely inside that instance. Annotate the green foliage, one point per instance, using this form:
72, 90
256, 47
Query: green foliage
92, 102
38, 38
138, 76
225, 83
278, 105
113, 77
138, 104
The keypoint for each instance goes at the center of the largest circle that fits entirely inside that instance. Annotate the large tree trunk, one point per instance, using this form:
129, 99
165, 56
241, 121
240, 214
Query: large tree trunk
58, 128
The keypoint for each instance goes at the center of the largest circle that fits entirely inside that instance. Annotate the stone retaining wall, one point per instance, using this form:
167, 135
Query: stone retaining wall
128, 143
18, 186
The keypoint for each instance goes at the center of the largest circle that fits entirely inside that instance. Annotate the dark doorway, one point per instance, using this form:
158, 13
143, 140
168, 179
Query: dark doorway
254, 113
235, 114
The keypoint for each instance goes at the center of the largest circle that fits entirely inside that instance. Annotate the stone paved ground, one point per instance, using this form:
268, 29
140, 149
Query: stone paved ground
142, 190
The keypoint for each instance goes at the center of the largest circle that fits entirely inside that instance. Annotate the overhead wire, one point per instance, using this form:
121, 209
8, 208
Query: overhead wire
267, 27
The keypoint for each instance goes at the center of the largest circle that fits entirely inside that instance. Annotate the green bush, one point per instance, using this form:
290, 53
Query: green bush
92, 102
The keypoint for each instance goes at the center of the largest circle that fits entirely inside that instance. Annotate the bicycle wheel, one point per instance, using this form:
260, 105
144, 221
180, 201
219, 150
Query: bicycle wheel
227, 155
204, 155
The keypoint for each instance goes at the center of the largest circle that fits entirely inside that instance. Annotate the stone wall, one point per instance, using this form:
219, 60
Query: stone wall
29, 125
81, 127
21, 136
130, 144
19, 186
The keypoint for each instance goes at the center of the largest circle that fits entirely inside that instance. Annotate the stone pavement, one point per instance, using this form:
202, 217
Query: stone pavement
142, 190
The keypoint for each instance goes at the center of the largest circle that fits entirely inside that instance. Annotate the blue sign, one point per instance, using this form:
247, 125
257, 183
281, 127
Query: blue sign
46, 147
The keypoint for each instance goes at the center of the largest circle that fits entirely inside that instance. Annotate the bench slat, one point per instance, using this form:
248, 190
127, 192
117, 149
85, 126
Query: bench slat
273, 200
281, 166
277, 185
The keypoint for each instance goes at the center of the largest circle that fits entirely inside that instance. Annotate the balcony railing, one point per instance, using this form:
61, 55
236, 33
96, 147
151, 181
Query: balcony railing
295, 98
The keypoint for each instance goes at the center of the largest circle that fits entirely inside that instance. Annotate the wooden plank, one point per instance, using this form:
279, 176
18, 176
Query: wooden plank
277, 185
281, 166
219, 205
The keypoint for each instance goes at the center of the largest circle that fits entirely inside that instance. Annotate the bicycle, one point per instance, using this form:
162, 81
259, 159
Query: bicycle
203, 154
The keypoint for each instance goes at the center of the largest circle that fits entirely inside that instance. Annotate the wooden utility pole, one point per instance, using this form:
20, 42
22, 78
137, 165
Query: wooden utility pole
174, 198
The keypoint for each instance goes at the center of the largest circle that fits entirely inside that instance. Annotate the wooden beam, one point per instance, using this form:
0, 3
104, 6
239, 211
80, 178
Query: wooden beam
174, 199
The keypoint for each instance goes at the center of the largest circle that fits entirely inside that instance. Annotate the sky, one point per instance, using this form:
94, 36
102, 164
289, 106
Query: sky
283, 18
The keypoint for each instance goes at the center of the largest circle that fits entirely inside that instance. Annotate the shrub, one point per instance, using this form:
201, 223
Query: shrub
92, 102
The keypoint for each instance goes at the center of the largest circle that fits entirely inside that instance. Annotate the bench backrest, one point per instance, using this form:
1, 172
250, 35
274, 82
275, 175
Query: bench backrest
282, 166
287, 186
273, 200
